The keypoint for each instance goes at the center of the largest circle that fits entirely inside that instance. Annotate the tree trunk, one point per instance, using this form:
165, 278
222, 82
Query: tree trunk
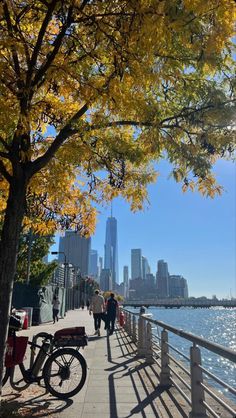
8, 256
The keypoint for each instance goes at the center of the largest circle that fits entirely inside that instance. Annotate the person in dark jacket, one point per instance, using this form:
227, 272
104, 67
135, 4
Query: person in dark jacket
112, 309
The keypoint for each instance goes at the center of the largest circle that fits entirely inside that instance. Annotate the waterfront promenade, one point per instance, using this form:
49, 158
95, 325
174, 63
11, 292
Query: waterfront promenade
118, 385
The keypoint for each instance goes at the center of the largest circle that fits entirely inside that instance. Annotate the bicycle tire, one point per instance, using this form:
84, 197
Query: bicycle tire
58, 372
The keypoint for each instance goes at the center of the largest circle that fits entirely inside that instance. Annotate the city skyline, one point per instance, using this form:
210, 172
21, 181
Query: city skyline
195, 235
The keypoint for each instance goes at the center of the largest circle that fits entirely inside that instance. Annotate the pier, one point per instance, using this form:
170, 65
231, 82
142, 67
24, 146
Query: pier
120, 383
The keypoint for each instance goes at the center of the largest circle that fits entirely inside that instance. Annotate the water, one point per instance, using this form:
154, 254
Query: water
216, 325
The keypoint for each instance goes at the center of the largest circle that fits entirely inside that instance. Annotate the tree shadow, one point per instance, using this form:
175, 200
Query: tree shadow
32, 404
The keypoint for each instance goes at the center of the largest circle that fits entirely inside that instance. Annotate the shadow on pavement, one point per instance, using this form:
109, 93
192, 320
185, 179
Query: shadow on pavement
144, 379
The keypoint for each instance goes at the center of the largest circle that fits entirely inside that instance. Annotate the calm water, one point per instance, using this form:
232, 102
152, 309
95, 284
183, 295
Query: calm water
217, 325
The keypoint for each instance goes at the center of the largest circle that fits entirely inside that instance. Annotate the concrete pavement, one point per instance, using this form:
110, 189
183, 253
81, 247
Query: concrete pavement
118, 385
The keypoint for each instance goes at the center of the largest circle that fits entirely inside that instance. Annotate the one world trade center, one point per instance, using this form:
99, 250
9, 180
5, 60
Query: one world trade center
111, 250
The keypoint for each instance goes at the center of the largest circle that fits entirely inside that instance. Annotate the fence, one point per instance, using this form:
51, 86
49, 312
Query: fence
190, 382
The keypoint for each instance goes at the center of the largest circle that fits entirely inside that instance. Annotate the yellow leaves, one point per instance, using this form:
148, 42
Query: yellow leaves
207, 187
40, 226
146, 62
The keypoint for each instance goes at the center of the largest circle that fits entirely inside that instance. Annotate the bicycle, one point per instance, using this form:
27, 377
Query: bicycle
64, 369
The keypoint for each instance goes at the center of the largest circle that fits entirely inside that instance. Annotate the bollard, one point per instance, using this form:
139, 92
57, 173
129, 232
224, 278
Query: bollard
165, 370
197, 391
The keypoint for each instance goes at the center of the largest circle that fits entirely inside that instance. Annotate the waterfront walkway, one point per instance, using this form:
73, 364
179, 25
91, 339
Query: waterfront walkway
118, 385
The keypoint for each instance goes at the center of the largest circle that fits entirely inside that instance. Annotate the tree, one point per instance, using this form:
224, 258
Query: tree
32, 250
93, 92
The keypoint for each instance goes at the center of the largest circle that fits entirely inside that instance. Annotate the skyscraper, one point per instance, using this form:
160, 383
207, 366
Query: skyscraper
178, 286
162, 277
93, 264
136, 263
126, 281
76, 250
145, 267
111, 250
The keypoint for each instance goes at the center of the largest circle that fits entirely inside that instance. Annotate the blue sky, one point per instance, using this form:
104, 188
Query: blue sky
195, 235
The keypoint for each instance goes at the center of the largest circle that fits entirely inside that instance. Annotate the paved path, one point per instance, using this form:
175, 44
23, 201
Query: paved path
119, 385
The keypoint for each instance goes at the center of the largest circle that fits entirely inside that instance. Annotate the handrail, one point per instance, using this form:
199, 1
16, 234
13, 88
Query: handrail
147, 347
216, 348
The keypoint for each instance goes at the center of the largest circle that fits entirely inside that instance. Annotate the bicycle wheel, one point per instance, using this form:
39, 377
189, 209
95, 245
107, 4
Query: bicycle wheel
65, 373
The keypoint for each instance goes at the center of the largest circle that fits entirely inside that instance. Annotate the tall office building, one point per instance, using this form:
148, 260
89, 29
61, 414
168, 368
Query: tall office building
178, 286
93, 264
76, 249
100, 267
145, 267
126, 281
111, 250
136, 263
105, 280
162, 277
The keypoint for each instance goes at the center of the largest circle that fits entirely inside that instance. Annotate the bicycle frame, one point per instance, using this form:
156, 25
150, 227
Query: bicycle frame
30, 375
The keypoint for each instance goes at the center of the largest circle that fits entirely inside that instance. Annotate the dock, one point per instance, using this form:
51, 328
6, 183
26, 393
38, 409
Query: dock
118, 384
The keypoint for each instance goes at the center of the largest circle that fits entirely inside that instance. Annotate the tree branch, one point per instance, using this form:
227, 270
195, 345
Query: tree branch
39, 41
64, 134
57, 44
14, 53
161, 124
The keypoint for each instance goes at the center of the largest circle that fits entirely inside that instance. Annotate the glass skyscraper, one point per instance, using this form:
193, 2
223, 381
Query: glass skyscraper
111, 250
76, 249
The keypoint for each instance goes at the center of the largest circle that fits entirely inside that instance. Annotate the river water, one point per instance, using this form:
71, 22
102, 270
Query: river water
215, 324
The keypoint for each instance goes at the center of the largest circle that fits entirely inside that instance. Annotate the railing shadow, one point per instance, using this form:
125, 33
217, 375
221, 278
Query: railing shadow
144, 380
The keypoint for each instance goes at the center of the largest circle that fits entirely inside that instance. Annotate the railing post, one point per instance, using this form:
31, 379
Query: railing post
134, 338
126, 321
141, 337
149, 353
197, 391
165, 370
129, 325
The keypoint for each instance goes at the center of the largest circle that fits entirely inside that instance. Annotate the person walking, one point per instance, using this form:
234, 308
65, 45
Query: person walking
112, 309
55, 308
97, 307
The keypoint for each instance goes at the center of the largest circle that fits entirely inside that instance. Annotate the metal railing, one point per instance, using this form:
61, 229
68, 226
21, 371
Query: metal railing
191, 383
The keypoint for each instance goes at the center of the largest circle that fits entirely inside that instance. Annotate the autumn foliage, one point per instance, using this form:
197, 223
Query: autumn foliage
114, 86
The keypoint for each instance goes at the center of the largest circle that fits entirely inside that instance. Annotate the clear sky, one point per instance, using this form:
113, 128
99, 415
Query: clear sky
195, 235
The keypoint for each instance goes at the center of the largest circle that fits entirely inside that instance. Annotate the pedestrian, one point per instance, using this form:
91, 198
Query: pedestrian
82, 304
87, 304
112, 310
55, 308
97, 307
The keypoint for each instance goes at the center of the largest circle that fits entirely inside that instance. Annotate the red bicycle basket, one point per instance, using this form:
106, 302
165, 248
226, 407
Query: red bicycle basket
15, 351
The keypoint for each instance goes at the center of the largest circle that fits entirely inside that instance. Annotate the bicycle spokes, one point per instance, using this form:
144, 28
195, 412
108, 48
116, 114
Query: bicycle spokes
65, 372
